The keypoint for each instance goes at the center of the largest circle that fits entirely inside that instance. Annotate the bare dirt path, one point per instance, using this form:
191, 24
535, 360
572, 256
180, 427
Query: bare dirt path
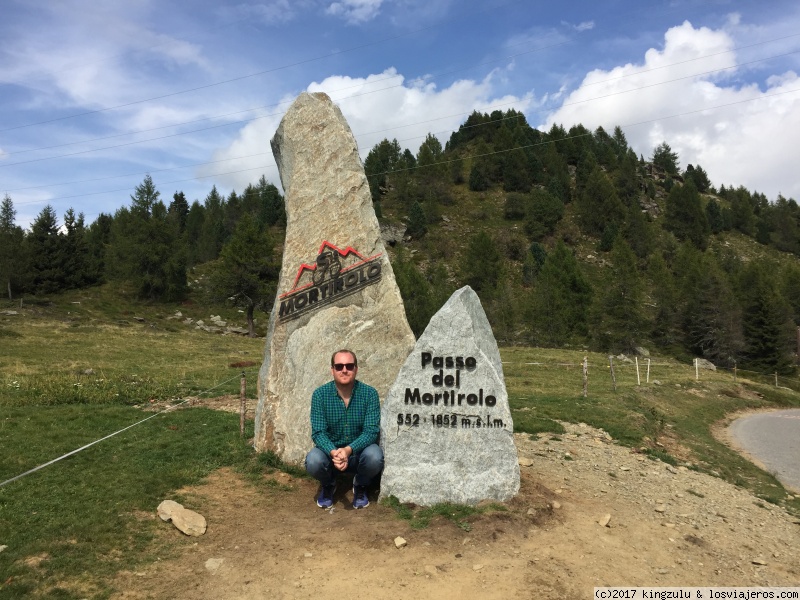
666, 527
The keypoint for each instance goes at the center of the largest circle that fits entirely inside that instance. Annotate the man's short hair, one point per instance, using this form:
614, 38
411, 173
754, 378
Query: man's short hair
350, 352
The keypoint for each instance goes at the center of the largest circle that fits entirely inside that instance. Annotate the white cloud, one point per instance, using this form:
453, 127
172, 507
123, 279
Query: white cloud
94, 58
355, 11
582, 26
748, 140
276, 12
379, 106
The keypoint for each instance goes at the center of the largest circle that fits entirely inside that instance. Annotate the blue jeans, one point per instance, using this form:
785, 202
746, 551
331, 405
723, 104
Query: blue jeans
366, 465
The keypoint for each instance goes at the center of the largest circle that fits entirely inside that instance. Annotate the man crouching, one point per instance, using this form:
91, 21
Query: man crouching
345, 424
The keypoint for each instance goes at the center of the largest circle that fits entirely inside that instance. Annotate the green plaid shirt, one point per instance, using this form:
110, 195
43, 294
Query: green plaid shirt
334, 426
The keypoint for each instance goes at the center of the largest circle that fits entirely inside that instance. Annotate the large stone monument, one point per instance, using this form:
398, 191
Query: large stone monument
446, 428
336, 287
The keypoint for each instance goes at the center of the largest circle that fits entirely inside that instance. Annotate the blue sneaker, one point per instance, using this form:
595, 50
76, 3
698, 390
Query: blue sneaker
360, 499
325, 498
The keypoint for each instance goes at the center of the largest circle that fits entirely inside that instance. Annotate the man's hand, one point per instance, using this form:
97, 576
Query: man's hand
340, 457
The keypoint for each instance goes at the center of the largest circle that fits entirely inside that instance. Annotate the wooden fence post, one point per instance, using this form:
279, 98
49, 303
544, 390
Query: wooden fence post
242, 405
638, 378
648, 370
696, 370
776, 379
613, 377
585, 376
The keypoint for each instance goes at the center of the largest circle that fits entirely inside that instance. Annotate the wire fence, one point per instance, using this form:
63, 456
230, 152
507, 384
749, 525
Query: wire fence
189, 400
646, 371
643, 372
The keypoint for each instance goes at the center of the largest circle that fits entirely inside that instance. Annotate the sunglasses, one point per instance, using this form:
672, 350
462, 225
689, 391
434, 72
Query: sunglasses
347, 366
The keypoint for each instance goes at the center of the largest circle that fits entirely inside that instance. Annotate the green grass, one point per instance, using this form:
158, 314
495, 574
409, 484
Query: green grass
83, 513
65, 353
72, 373
670, 421
73, 368
420, 518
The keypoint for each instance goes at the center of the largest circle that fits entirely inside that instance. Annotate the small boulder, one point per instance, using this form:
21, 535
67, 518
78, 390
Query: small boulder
187, 521
702, 363
212, 564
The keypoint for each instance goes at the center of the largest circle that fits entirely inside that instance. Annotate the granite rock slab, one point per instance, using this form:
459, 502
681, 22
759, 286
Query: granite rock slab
446, 427
336, 288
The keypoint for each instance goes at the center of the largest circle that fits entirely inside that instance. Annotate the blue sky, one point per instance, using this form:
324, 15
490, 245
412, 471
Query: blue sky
94, 94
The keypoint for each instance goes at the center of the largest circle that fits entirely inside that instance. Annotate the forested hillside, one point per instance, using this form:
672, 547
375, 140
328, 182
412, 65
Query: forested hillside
569, 238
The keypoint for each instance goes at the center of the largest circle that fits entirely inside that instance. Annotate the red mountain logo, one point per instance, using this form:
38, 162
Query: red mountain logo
334, 274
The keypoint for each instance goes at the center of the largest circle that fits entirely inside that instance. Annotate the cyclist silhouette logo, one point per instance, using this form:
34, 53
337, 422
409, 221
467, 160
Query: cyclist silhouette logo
334, 274
327, 262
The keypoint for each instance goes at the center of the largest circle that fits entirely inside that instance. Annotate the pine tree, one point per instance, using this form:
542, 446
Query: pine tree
534, 259
212, 233
665, 158
714, 217
98, 238
272, 209
44, 253
416, 292
790, 289
768, 326
417, 221
586, 166
246, 271
599, 205
698, 177
75, 252
430, 159
620, 142
543, 212
516, 177
685, 216
664, 293
619, 322
560, 299
713, 321
146, 247
194, 227
144, 197
179, 209
482, 265
12, 256
626, 182
638, 232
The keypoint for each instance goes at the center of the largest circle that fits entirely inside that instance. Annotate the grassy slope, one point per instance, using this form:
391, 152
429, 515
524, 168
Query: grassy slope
86, 513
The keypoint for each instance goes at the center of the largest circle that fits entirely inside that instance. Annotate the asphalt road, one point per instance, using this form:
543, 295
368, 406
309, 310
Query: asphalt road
773, 438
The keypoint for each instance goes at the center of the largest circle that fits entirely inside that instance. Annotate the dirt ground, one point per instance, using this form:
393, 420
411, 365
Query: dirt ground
589, 513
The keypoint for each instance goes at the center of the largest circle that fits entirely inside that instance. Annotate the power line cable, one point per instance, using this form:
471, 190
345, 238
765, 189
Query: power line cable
638, 123
80, 152
230, 123
439, 74
358, 135
265, 71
